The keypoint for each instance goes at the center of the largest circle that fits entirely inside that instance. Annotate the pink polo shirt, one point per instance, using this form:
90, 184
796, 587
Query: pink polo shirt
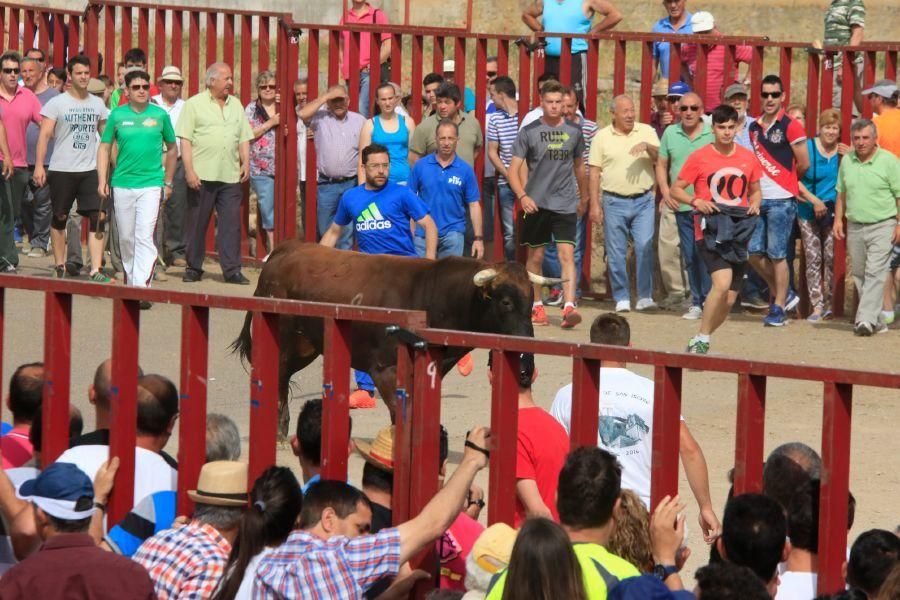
24, 108
16, 447
716, 78
370, 17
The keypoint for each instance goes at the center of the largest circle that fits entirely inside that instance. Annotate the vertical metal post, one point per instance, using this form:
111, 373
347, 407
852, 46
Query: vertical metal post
418, 50
700, 78
400, 509
749, 433
57, 369
334, 57
192, 402
666, 433
784, 71
159, 59
504, 433
110, 58
194, 52
336, 398
228, 36
13, 41
354, 71
144, 28
125, 29
645, 107
585, 417
212, 39
263, 394
177, 38
263, 43
756, 69
812, 87
123, 400
312, 88
833, 496
674, 62
619, 68
437, 50
565, 61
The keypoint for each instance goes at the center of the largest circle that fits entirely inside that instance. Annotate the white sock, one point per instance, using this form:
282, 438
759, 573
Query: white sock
568, 304
536, 304
701, 337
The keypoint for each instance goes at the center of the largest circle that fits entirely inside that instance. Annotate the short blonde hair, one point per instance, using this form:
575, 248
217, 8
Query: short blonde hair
829, 116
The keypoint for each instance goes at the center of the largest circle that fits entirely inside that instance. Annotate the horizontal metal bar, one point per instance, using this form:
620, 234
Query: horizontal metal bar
390, 316
721, 364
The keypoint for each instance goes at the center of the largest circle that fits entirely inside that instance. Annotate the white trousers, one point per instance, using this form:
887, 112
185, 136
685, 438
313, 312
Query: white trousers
136, 214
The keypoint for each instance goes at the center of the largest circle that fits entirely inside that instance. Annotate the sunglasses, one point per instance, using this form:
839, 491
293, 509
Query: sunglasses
140, 86
673, 98
8, 70
685, 108
770, 95
170, 82
267, 87
492, 73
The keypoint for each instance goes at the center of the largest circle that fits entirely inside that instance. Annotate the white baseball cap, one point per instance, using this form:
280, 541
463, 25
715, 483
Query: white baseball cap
702, 22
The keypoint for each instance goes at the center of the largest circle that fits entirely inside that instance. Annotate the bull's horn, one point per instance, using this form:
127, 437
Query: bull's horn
541, 280
484, 276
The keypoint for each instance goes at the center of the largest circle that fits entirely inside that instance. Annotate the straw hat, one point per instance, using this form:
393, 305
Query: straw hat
221, 483
661, 87
380, 453
95, 86
170, 73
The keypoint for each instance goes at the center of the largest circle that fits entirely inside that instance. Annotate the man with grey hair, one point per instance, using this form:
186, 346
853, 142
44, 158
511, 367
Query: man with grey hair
189, 561
156, 512
622, 165
868, 189
215, 150
787, 469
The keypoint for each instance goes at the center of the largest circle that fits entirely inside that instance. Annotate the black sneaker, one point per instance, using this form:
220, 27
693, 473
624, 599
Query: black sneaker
146, 305
238, 279
191, 276
60, 272
9, 269
73, 269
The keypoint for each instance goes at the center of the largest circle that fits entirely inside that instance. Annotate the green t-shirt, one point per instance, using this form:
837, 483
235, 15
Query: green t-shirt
601, 570
871, 188
676, 146
140, 137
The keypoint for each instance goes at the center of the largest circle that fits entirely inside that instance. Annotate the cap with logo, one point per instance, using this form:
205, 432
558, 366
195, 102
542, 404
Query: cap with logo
679, 88
735, 89
883, 87
170, 73
57, 490
702, 22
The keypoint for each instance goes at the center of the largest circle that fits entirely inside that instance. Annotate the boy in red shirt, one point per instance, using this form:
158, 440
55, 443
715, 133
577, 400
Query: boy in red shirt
726, 205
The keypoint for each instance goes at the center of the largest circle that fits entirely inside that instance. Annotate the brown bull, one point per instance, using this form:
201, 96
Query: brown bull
456, 293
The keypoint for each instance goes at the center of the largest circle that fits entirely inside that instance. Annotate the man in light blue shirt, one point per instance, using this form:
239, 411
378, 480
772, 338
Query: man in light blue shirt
447, 185
678, 21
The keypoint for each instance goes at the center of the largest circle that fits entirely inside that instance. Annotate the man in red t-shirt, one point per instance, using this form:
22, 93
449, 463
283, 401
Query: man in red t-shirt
726, 178
25, 389
541, 449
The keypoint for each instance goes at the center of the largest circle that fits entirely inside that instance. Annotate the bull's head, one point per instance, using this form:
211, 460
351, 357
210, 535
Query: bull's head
508, 292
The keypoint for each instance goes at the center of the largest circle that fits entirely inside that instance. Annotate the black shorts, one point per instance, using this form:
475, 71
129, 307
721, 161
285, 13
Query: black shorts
546, 227
714, 262
67, 187
577, 80
895, 258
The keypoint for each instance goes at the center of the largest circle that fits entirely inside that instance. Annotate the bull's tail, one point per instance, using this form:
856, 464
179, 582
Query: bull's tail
243, 345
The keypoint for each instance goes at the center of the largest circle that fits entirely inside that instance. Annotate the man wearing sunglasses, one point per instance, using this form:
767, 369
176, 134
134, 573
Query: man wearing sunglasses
19, 108
678, 142
779, 143
139, 129
170, 237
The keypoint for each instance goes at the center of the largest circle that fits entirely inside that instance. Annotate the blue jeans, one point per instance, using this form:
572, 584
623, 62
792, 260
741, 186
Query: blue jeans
635, 217
329, 194
698, 277
449, 244
364, 93
551, 266
507, 206
773, 230
264, 186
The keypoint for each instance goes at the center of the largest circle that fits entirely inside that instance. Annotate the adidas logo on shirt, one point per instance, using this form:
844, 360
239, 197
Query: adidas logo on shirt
371, 219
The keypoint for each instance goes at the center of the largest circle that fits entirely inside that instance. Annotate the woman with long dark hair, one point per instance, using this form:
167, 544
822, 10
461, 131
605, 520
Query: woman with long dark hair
275, 503
543, 565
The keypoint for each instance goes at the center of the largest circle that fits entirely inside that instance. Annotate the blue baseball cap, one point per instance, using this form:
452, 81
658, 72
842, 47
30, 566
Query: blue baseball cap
57, 489
645, 587
679, 88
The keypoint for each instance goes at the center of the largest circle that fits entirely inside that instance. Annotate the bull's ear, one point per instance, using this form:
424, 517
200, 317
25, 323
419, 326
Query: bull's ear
483, 277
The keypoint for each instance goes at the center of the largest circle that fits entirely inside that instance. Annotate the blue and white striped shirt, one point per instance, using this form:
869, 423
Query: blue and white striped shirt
502, 128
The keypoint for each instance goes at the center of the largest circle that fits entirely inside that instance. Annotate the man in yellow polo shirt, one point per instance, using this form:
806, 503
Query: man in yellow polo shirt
215, 151
586, 498
622, 165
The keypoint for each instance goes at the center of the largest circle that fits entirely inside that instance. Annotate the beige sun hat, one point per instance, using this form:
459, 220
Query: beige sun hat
221, 483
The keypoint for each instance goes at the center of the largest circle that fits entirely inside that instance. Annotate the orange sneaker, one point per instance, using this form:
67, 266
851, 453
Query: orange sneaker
539, 316
571, 318
362, 399
464, 365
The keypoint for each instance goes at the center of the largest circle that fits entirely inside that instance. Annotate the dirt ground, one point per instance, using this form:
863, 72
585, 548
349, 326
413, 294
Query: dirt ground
794, 408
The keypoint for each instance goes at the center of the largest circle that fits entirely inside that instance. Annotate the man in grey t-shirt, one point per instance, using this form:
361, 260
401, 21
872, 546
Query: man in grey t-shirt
74, 121
552, 150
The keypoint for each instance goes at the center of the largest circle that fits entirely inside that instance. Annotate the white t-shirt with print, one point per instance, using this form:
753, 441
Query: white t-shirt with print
625, 424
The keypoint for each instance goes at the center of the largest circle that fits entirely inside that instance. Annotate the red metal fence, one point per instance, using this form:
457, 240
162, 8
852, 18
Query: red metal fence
419, 400
192, 38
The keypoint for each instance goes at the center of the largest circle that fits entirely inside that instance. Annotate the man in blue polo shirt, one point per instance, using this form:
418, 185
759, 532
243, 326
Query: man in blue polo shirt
380, 212
677, 21
447, 184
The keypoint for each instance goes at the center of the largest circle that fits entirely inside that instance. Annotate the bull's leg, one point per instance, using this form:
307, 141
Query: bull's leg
296, 354
386, 381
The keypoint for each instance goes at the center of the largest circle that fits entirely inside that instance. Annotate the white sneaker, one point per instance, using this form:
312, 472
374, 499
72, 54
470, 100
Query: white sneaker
694, 313
623, 306
645, 304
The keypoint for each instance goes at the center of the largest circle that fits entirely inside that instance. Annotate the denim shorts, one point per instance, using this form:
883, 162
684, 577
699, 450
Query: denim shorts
773, 229
264, 186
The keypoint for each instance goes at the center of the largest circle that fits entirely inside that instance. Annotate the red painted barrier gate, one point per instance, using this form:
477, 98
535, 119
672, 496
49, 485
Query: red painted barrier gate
419, 400
195, 38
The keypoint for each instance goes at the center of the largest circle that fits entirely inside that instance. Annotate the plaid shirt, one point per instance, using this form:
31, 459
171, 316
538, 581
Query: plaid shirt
186, 562
310, 568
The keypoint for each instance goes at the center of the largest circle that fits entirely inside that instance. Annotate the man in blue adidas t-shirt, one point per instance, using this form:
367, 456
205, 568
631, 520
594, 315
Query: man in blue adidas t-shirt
380, 212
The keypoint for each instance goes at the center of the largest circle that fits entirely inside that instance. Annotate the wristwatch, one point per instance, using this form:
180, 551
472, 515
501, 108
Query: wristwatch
100, 505
662, 572
478, 238
169, 185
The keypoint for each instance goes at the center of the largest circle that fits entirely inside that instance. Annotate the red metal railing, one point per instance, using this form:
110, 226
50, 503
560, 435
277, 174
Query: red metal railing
246, 37
419, 399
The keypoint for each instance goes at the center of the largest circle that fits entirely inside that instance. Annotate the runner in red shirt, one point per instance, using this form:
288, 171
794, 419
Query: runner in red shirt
726, 202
